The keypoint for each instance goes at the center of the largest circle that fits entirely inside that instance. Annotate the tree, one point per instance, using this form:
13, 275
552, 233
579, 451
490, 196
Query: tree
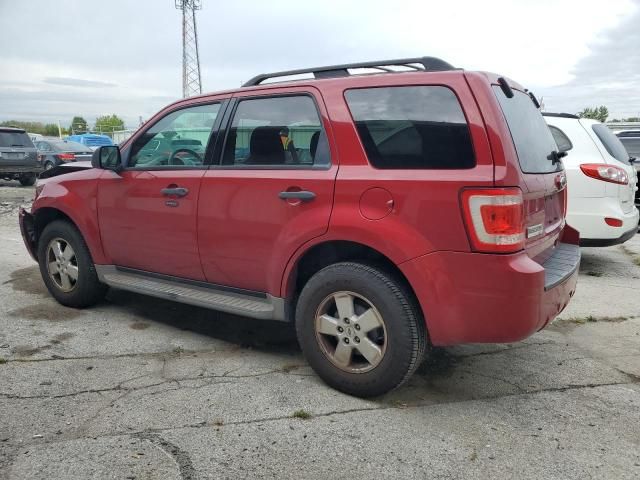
51, 130
109, 123
78, 125
597, 113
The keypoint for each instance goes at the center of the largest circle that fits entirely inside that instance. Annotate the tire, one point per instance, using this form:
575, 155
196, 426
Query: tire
378, 297
86, 289
48, 165
27, 180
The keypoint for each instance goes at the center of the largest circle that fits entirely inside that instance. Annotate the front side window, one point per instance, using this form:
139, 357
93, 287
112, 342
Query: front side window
276, 132
420, 127
178, 140
563, 142
611, 143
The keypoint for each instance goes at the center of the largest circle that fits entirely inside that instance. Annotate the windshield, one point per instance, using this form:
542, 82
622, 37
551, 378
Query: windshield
612, 143
15, 139
530, 133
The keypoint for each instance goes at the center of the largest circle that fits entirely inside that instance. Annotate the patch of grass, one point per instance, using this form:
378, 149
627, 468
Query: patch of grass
289, 368
178, 350
301, 414
218, 422
3, 360
592, 319
595, 274
636, 260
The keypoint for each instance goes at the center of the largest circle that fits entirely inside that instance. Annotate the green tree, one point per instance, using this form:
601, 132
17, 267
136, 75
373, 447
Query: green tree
108, 123
51, 130
597, 113
78, 125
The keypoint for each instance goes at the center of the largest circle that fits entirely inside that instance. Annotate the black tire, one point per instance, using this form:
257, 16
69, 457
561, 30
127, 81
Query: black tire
48, 165
27, 180
88, 290
406, 335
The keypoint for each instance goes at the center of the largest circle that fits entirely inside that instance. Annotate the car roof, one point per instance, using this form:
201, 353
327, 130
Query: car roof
12, 130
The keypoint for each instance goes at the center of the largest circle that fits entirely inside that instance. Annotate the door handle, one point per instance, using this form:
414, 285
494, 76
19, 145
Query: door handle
177, 191
302, 195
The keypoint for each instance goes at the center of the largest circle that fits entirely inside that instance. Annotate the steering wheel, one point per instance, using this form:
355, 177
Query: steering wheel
175, 160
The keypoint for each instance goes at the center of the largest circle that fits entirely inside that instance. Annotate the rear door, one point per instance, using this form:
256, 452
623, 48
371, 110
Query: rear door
542, 172
272, 190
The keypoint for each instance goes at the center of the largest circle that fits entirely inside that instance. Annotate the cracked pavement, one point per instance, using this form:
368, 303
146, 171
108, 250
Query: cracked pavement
147, 389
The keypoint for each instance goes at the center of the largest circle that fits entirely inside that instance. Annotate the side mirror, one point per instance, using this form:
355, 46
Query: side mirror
107, 157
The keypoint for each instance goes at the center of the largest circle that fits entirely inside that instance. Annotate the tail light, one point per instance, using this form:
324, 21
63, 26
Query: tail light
613, 222
495, 219
606, 173
67, 157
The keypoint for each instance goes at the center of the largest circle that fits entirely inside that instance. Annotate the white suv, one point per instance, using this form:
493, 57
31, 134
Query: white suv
601, 181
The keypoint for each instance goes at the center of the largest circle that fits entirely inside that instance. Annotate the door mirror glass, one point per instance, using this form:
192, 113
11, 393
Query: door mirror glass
107, 157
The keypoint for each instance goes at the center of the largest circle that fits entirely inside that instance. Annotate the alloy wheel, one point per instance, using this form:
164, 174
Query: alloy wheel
62, 264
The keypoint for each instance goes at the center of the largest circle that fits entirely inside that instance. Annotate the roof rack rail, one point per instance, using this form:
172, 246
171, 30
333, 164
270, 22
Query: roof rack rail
561, 115
431, 64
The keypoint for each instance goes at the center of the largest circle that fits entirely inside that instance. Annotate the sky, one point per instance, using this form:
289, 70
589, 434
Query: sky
86, 57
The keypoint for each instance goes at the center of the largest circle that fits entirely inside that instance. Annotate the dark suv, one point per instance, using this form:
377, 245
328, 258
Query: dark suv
18, 156
381, 213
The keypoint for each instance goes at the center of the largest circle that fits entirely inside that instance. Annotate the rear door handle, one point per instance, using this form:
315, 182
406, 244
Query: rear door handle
302, 195
177, 192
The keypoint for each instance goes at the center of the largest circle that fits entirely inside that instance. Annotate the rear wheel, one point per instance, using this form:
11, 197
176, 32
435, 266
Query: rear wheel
48, 165
359, 329
27, 180
66, 266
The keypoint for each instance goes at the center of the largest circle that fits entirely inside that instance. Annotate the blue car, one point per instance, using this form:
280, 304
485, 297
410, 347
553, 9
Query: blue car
91, 140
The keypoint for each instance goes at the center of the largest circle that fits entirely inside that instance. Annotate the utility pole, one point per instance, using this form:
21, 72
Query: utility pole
190, 59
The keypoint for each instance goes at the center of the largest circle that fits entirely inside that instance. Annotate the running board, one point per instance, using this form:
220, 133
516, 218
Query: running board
193, 293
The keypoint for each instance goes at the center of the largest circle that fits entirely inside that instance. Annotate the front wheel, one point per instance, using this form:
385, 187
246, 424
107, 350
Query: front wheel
66, 266
360, 329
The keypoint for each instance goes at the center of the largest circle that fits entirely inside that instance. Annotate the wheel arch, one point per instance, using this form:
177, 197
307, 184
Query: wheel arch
328, 252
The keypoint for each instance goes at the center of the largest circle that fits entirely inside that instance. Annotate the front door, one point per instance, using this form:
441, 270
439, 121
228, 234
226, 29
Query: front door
148, 212
272, 192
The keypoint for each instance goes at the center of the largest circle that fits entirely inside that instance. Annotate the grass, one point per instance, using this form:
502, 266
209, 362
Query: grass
595, 274
592, 319
634, 258
3, 360
301, 414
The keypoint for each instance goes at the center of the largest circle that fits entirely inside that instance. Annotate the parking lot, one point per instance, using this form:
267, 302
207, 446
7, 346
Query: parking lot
143, 388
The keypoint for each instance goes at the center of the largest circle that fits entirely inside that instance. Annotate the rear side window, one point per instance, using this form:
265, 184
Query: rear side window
563, 142
421, 127
612, 143
530, 133
15, 139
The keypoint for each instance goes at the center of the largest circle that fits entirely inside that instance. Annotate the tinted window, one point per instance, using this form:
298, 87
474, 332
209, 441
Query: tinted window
43, 146
178, 140
412, 127
563, 142
70, 147
530, 133
276, 131
632, 145
15, 139
612, 143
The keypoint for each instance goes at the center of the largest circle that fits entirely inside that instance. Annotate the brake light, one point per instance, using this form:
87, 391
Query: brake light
495, 219
67, 157
606, 173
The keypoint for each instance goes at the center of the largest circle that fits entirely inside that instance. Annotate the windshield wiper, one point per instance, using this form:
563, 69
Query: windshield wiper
555, 156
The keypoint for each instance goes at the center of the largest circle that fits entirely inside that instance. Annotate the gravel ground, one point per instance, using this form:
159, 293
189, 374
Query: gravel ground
147, 389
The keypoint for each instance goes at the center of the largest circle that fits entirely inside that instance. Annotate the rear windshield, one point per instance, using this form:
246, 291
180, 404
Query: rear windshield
612, 143
15, 139
530, 133
70, 147
419, 127
632, 145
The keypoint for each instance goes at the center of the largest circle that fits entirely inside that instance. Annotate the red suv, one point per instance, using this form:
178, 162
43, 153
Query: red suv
413, 205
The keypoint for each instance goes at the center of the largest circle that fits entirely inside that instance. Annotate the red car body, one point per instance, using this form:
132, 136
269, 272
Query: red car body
233, 230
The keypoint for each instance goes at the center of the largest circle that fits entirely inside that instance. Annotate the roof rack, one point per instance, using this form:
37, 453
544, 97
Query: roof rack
561, 115
431, 64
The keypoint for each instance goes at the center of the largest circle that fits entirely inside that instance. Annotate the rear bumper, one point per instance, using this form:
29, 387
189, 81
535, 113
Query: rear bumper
588, 218
28, 232
17, 169
482, 298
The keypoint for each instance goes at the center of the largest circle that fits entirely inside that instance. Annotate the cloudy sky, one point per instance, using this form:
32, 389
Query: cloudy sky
86, 57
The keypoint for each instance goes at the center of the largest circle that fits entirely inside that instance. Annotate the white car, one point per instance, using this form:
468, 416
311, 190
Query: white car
601, 181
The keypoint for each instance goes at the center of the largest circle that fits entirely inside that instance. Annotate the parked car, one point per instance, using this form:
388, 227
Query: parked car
53, 152
631, 141
18, 159
381, 213
91, 140
602, 182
